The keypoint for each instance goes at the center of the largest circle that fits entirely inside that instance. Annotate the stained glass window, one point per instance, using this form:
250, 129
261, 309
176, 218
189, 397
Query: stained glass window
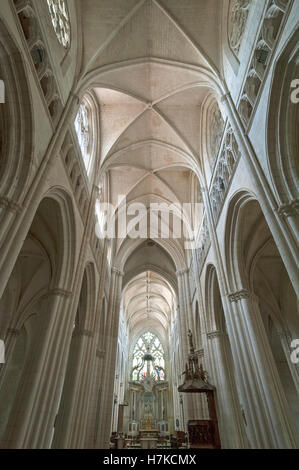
83, 133
60, 20
148, 344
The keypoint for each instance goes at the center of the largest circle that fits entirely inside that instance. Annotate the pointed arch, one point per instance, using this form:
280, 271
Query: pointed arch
282, 129
16, 123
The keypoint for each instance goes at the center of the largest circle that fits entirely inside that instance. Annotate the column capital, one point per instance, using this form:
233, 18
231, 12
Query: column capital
182, 272
13, 332
100, 353
215, 334
239, 295
98, 189
283, 334
224, 98
10, 205
57, 292
117, 271
289, 210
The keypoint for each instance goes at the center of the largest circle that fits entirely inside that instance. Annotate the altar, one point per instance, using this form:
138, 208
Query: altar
146, 420
148, 442
148, 409
148, 428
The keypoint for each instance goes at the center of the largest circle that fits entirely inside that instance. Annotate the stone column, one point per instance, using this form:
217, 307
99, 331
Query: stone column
184, 315
85, 404
71, 419
10, 338
266, 409
8, 384
184, 421
263, 430
97, 361
289, 213
120, 421
9, 210
111, 350
183, 325
193, 398
231, 423
286, 340
138, 405
189, 312
113, 426
32, 417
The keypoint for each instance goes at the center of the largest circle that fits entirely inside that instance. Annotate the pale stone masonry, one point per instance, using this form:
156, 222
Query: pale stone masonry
166, 102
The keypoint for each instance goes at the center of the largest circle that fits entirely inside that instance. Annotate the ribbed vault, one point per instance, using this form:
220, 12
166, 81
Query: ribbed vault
148, 300
151, 66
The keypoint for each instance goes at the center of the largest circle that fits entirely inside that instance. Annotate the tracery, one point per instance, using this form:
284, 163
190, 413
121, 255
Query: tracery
60, 20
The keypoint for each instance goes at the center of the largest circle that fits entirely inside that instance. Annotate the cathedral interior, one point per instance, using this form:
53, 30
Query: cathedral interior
149, 224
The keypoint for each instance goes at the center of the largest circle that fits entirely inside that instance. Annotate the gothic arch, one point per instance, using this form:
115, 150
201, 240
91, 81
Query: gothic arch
257, 272
171, 279
209, 281
67, 235
16, 123
170, 248
214, 310
89, 314
140, 332
282, 130
53, 249
28, 309
237, 275
242, 244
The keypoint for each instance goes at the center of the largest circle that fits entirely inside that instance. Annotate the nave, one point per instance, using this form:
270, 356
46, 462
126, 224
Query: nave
149, 224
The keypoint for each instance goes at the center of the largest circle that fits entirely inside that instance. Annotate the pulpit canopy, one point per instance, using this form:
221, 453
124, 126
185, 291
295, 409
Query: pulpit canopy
195, 377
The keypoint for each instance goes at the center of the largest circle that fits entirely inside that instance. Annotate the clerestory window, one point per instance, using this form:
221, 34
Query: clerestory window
60, 21
82, 126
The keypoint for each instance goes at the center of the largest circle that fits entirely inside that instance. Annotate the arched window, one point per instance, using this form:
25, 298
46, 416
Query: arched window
82, 126
148, 358
60, 20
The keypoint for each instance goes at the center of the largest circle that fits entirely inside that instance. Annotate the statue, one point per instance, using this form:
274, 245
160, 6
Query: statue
147, 409
191, 346
203, 374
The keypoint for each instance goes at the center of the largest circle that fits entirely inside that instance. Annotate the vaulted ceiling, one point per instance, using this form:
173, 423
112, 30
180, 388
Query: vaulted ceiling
148, 301
178, 30
152, 65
